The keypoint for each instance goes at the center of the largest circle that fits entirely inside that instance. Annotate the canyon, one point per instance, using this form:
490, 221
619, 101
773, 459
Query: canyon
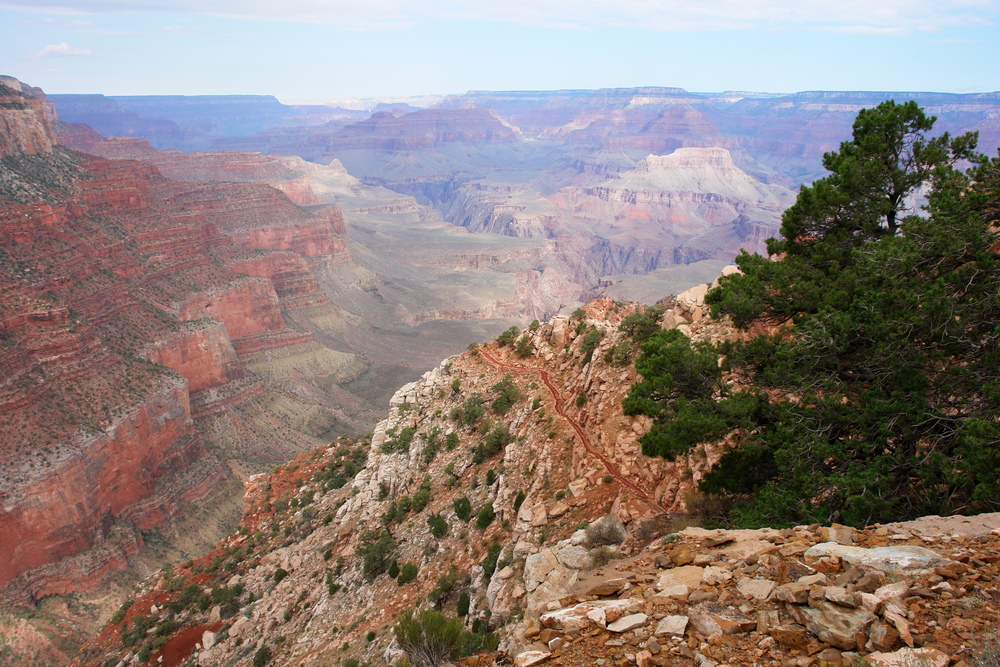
174, 323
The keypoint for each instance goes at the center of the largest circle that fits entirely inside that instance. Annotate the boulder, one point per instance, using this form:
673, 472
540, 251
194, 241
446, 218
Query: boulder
793, 593
584, 614
537, 567
909, 559
716, 575
834, 624
626, 623
904, 657
671, 626
609, 587
529, 658
756, 589
687, 575
574, 557
710, 618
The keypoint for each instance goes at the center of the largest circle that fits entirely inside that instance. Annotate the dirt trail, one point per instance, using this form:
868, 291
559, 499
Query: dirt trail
593, 451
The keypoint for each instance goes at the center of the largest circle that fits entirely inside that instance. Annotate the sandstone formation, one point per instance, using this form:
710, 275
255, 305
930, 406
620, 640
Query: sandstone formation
558, 582
134, 309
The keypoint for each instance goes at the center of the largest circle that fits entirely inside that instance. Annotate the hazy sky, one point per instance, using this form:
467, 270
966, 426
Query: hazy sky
315, 50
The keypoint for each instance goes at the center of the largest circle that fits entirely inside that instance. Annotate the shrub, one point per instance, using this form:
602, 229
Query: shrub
470, 412
601, 556
456, 384
279, 574
393, 570
463, 508
986, 652
523, 347
451, 441
490, 477
377, 548
581, 398
428, 637
589, 344
640, 326
535, 324
485, 516
399, 443
462, 608
446, 583
438, 525
120, 614
492, 444
407, 573
370, 637
606, 530
421, 498
262, 657
490, 562
518, 500
618, 354
508, 394
507, 337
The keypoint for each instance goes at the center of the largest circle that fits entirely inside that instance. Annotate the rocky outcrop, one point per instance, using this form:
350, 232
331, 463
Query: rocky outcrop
91, 483
203, 354
628, 584
24, 125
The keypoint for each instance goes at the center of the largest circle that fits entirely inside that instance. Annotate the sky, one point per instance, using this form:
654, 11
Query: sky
321, 50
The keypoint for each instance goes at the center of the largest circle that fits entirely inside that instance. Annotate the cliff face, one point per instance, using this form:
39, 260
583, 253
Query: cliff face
24, 127
127, 319
536, 521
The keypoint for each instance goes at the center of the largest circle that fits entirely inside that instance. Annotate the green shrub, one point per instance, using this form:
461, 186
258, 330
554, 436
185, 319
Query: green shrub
518, 500
120, 614
485, 516
279, 574
438, 525
490, 561
508, 395
470, 412
451, 441
641, 326
429, 638
523, 347
262, 657
507, 337
393, 570
446, 583
589, 344
492, 444
399, 443
618, 354
581, 398
462, 607
463, 508
407, 573
376, 549
370, 637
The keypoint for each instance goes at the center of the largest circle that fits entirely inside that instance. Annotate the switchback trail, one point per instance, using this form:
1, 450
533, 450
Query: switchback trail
593, 451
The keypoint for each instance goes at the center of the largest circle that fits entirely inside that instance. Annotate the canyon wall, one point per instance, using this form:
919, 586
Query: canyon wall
128, 319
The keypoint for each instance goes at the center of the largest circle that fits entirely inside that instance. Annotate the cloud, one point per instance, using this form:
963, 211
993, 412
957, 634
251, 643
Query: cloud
59, 50
63, 23
858, 16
